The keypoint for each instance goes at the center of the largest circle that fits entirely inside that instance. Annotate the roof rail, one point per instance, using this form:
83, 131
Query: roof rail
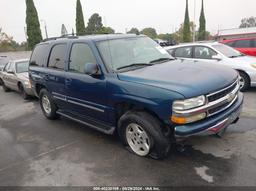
71, 36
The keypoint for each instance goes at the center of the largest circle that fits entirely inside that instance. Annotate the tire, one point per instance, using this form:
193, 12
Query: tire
5, 88
143, 135
47, 104
244, 81
24, 95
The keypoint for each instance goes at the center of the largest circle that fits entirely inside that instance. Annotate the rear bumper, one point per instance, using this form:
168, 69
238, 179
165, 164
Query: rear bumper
214, 124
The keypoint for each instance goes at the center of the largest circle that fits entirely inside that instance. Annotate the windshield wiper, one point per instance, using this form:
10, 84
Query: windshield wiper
161, 60
135, 65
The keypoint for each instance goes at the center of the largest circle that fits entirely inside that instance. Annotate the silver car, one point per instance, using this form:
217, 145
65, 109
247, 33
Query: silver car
216, 53
14, 76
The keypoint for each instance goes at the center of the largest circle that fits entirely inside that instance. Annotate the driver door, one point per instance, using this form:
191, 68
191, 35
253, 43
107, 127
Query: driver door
86, 95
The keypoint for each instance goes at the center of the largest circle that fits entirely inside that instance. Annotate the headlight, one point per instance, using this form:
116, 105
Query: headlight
181, 117
253, 65
188, 103
27, 84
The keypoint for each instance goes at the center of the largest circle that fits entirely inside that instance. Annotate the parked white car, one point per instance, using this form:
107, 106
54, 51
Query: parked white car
216, 53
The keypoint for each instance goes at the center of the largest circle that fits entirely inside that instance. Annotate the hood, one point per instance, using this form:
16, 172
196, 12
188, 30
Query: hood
185, 77
23, 75
248, 60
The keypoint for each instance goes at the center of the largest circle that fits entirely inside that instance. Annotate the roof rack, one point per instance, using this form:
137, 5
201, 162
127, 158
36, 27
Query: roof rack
70, 36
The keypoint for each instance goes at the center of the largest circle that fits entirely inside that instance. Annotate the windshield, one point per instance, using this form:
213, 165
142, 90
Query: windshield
22, 67
227, 51
131, 53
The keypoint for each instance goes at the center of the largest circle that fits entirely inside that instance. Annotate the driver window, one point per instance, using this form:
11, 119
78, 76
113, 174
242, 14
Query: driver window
202, 52
80, 55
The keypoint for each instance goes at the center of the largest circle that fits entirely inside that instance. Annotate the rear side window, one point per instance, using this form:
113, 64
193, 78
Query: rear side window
80, 55
184, 52
39, 54
171, 52
57, 57
242, 44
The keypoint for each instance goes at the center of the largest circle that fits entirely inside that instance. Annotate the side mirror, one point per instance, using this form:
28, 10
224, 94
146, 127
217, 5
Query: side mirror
91, 69
217, 57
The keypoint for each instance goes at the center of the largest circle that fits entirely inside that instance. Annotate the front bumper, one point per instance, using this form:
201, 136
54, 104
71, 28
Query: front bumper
29, 91
214, 124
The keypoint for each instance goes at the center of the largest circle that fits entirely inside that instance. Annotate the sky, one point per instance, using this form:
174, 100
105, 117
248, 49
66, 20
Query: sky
164, 15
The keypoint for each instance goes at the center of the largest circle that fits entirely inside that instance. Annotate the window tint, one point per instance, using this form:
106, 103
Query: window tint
171, 52
7, 66
231, 44
39, 54
184, 52
80, 55
202, 52
243, 44
57, 57
21, 67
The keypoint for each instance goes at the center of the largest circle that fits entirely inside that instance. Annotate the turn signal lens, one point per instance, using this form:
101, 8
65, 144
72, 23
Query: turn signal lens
253, 65
190, 119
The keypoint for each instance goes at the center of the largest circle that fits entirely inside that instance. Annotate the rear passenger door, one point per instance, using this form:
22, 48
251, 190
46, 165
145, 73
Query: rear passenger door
86, 95
183, 53
55, 74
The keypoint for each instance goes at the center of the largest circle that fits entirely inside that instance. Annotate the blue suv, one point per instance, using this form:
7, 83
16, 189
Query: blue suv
130, 85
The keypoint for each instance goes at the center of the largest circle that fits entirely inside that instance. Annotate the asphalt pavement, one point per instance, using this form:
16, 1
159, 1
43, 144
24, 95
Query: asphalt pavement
37, 152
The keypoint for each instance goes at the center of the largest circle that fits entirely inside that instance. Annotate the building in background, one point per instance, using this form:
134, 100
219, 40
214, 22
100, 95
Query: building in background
227, 34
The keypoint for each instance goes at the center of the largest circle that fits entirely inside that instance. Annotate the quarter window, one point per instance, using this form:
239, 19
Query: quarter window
202, 52
57, 57
39, 55
80, 54
184, 52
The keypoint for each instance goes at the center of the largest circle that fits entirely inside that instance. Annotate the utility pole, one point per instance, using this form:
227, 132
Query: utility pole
45, 28
194, 27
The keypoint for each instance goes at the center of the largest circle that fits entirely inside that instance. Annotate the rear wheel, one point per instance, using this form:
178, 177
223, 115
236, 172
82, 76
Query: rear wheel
143, 135
47, 105
244, 81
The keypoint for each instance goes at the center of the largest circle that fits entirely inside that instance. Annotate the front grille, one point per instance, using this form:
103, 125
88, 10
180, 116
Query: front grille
218, 108
222, 93
223, 99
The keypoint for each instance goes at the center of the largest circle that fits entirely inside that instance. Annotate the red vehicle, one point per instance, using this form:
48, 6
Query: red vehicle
245, 45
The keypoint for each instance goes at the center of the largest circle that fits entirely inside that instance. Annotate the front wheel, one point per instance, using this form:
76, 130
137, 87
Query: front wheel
143, 135
47, 105
24, 95
244, 82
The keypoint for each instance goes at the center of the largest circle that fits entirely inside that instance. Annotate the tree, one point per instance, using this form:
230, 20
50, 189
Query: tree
8, 44
150, 32
186, 28
63, 30
167, 36
95, 24
248, 22
134, 31
80, 27
202, 27
178, 35
33, 26
107, 30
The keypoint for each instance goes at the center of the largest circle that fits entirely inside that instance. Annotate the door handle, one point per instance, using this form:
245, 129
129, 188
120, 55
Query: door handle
68, 81
46, 77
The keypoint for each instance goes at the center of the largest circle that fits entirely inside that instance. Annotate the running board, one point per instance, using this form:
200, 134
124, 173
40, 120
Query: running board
90, 123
